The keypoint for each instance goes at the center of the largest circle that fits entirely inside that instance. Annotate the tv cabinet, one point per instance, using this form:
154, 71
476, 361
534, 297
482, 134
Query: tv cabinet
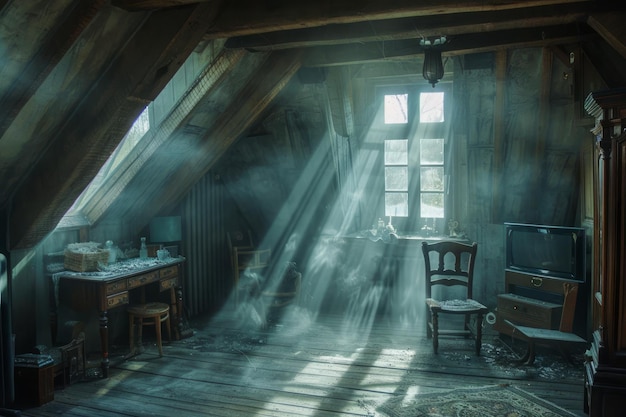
530, 300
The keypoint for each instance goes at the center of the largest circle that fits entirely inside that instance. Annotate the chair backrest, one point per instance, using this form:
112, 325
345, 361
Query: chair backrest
238, 241
454, 265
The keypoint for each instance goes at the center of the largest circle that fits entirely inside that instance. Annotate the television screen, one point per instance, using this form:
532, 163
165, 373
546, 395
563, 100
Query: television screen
553, 251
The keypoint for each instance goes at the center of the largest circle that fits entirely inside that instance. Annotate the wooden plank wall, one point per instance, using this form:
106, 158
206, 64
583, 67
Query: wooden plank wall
207, 275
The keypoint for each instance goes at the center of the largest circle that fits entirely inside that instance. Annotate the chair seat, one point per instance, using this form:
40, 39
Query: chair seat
149, 309
460, 306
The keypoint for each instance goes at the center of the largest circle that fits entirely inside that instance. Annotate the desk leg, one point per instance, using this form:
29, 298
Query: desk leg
104, 343
180, 330
177, 320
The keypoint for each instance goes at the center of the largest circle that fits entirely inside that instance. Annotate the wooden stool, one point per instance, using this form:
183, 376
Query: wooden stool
146, 315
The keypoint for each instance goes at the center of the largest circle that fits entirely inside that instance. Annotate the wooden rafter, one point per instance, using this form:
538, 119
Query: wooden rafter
611, 27
411, 28
471, 43
243, 111
247, 17
110, 107
53, 48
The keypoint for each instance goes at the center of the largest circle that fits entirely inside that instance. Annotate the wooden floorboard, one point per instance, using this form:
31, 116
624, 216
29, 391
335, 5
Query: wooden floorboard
306, 367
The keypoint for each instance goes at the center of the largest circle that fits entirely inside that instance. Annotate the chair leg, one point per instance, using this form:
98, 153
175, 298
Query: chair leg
168, 327
529, 356
435, 321
157, 325
530, 353
479, 332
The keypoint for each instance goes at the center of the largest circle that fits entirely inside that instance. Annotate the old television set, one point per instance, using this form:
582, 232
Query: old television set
546, 251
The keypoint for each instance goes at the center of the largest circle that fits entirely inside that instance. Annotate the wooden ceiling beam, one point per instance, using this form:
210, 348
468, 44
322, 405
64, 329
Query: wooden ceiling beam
51, 51
138, 5
246, 17
157, 139
106, 114
467, 44
168, 187
410, 28
611, 27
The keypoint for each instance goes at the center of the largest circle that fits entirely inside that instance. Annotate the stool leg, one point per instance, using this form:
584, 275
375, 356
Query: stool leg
157, 325
131, 333
140, 333
169, 328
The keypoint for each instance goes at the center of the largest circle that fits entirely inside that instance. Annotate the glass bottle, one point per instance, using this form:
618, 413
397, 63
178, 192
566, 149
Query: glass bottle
143, 250
112, 251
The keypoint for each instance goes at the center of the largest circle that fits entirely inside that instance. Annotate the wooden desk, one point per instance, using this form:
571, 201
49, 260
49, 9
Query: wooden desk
107, 290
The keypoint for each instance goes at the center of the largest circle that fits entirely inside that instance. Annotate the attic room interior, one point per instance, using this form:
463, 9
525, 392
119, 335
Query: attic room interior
228, 208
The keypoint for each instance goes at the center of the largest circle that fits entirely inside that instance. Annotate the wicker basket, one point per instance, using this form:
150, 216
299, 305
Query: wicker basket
85, 261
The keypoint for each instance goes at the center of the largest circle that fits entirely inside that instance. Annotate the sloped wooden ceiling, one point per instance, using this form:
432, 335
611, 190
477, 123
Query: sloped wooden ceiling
77, 73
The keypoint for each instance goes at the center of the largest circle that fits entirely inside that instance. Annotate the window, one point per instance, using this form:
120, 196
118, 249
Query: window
431, 178
413, 154
397, 178
431, 158
132, 137
396, 108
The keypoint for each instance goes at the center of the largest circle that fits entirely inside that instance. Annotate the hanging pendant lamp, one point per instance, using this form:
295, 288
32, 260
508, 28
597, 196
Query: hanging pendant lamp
433, 65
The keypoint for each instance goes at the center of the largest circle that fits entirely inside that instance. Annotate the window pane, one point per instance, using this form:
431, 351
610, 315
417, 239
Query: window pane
431, 107
396, 179
396, 152
431, 179
396, 204
396, 108
431, 205
431, 152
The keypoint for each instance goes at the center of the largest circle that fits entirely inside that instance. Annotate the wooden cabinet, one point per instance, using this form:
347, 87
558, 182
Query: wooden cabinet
531, 301
605, 367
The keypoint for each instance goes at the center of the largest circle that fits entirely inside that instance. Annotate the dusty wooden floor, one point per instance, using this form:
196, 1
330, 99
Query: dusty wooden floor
306, 366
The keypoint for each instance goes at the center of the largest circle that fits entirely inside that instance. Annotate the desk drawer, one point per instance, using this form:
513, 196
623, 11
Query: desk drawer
144, 279
166, 284
170, 271
117, 299
117, 286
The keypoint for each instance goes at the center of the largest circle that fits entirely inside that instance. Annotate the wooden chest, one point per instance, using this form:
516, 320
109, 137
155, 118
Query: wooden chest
34, 385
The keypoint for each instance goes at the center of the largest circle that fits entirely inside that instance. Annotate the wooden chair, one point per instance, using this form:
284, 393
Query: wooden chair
149, 314
454, 267
561, 338
285, 291
245, 257
68, 352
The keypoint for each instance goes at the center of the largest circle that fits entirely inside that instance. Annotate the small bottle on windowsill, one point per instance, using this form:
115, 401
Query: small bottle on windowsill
143, 250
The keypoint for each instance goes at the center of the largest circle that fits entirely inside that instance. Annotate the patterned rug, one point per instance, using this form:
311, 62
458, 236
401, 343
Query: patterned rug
492, 401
